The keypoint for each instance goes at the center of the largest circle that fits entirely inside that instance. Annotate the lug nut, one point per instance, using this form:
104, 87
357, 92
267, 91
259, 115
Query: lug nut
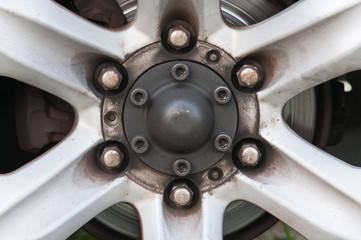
222, 142
180, 72
249, 75
139, 97
249, 154
140, 144
108, 76
182, 167
222, 95
178, 37
181, 195
111, 157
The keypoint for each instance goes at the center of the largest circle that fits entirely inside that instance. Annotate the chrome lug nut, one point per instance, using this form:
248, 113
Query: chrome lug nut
178, 37
109, 77
181, 195
249, 154
249, 75
111, 157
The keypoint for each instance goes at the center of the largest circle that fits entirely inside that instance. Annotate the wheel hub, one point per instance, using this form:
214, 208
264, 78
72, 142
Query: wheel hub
181, 117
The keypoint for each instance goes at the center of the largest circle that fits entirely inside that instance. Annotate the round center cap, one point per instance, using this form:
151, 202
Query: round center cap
175, 114
180, 117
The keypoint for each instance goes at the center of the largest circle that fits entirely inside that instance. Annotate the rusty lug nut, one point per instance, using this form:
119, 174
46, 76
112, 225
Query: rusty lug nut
181, 195
178, 37
109, 77
249, 154
111, 157
249, 75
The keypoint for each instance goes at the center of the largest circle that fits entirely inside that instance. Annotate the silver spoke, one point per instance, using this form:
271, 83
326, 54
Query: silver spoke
203, 221
151, 14
50, 48
302, 185
308, 44
55, 194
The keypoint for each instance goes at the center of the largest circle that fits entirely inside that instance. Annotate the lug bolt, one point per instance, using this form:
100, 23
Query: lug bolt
108, 76
222, 95
249, 75
139, 144
180, 72
178, 37
139, 97
181, 195
182, 167
249, 154
111, 157
222, 142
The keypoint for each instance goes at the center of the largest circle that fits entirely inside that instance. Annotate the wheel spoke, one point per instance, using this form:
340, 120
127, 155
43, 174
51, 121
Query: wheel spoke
57, 193
303, 186
48, 47
203, 221
151, 14
306, 45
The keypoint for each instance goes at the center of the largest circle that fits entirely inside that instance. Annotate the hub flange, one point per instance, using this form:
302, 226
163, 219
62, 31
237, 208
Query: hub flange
181, 119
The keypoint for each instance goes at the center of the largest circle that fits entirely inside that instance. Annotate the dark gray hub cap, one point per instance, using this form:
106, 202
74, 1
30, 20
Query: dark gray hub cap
180, 119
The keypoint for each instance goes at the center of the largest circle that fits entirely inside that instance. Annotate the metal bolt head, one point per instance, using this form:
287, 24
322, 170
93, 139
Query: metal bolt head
249, 154
111, 157
248, 76
139, 97
222, 95
178, 37
181, 167
140, 144
181, 195
109, 77
222, 142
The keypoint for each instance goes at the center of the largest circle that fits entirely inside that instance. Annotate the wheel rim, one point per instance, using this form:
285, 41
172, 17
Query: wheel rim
273, 187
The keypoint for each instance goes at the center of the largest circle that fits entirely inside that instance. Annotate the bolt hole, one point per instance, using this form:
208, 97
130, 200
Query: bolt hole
111, 118
222, 95
180, 72
213, 56
139, 97
140, 144
215, 174
182, 167
223, 143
